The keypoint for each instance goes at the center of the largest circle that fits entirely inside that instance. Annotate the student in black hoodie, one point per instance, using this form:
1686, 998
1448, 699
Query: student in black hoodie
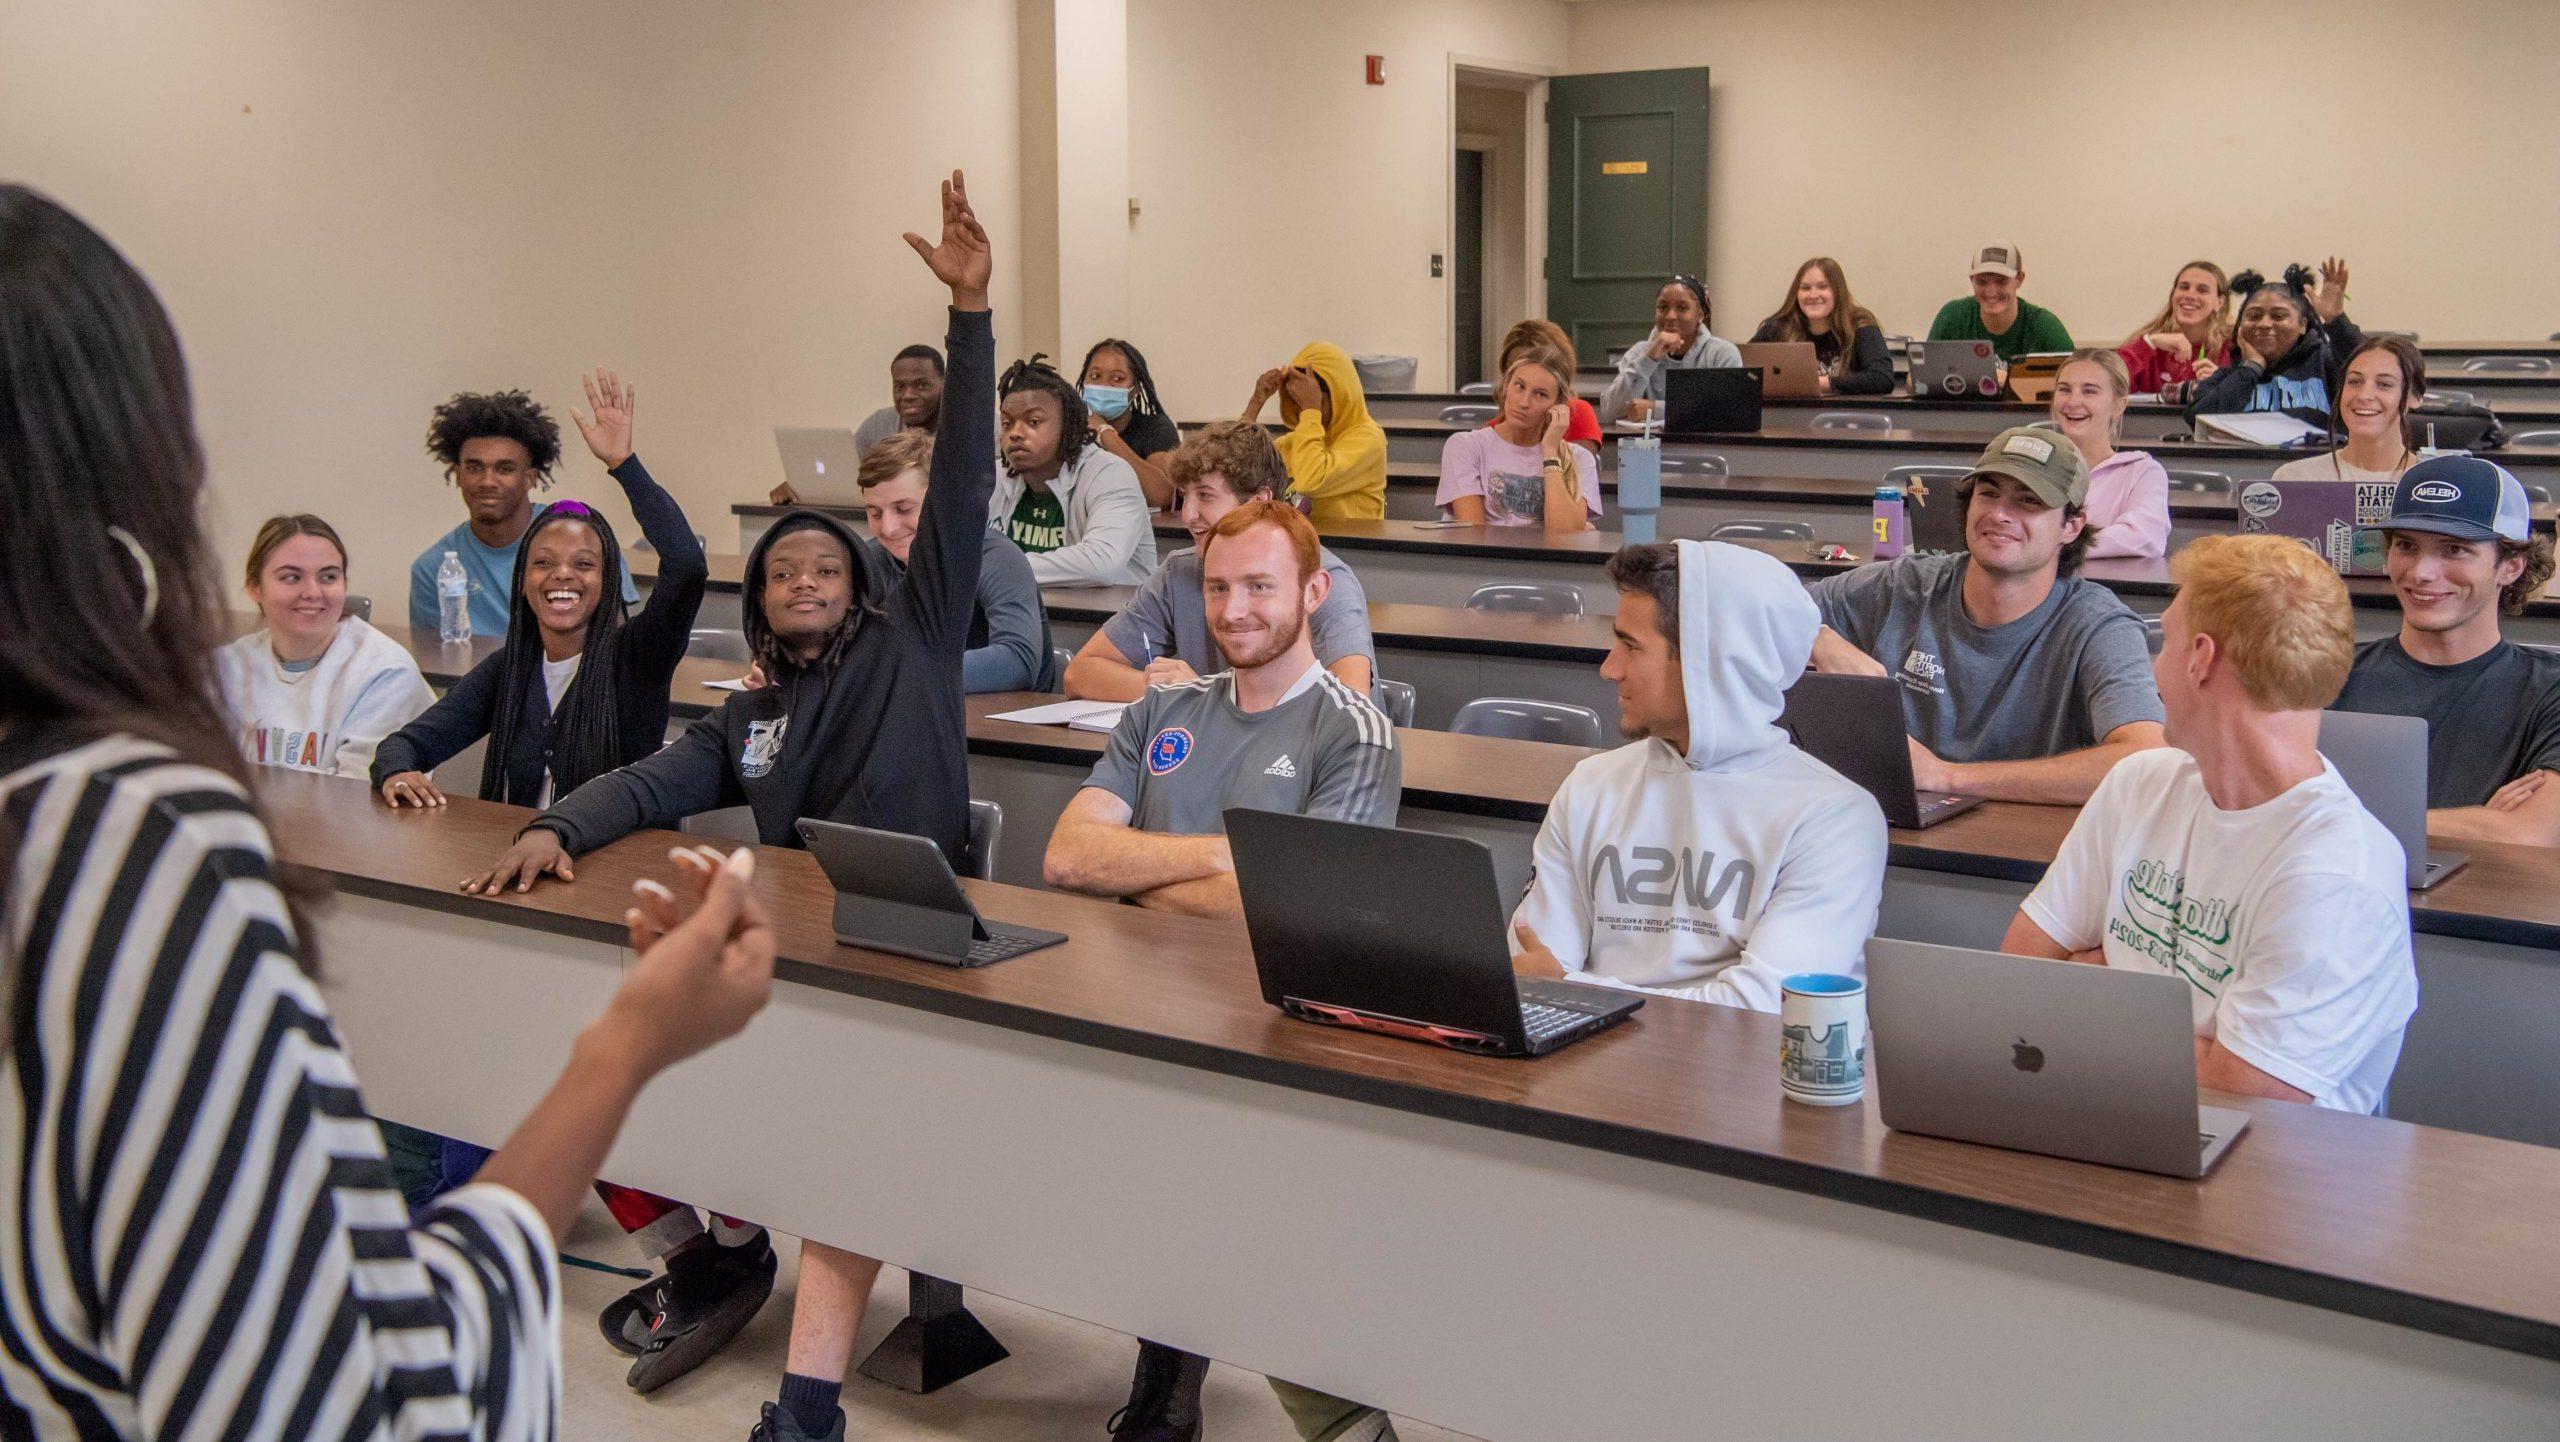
863, 720
2290, 348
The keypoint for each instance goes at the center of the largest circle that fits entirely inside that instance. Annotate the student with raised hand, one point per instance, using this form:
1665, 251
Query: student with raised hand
1336, 454
1708, 639
1163, 636
1680, 340
2188, 340
2461, 553
1274, 731
1008, 630
2290, 348
1128, 417
314, 689
125, 808
1848, 344
2236, 857
1521, 471
497, 450
1538, 333
2128, 490
2382, 382
1994, 311
2021, 681
1071, 505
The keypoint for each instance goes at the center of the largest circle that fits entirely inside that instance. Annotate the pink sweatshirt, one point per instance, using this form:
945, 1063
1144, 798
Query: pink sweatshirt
2129, 502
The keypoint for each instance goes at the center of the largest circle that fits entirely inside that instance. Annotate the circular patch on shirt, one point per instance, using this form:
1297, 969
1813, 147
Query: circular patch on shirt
1171, 748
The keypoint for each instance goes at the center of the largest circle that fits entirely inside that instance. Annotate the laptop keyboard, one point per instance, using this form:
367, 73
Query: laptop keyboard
1545, 1022
986, 949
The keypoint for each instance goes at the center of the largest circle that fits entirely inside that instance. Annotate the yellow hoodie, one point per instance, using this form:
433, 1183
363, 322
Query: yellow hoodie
1342, 468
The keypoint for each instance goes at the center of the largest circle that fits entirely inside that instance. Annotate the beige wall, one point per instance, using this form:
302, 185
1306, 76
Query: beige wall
355, 210
2113, 142
1284, 200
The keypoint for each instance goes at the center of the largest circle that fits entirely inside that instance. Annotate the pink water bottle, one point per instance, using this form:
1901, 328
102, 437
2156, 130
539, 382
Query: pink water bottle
1890, 535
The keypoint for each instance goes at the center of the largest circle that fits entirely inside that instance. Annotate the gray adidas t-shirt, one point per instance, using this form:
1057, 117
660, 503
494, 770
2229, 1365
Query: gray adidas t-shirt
1182, 755
1168, 617
2056, 679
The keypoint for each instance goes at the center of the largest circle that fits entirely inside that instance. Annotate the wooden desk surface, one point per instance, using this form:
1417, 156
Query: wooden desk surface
1583, 639
2435, 1230
2517, 416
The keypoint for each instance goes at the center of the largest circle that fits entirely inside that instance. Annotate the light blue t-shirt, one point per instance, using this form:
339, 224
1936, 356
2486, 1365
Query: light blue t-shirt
492, 570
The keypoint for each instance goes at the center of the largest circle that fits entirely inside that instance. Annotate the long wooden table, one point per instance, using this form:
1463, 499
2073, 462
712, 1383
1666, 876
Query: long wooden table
1119, 1129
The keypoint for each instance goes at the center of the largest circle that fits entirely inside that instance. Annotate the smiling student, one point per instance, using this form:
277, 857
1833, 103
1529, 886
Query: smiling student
314, 689
1848, 344
1521, 471
2291, 347
1994, 311
2128, 490
1008, 630
2188, 340
2383, 381
1128, 417
497, 450
1680, 340
1072, 506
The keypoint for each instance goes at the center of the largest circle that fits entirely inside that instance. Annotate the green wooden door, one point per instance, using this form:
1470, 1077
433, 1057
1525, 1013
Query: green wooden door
1626, 199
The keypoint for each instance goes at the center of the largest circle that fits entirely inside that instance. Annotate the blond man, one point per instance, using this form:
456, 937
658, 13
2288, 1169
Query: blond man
2236, 858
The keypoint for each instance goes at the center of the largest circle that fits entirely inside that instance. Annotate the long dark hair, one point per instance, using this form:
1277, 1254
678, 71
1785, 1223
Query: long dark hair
1847, 316
1075, 431
586, 729
2412, 362
1142, 396
110, 609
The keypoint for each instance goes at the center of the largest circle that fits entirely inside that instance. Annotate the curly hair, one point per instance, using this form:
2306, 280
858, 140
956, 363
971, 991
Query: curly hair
1075, 427
513, 415
1240, 451
2537, 573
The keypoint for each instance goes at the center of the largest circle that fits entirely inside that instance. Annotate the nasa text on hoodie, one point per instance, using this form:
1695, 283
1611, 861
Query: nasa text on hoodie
1716, 874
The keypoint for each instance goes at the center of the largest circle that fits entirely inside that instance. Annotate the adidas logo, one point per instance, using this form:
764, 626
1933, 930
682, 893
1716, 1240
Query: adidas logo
1282, 767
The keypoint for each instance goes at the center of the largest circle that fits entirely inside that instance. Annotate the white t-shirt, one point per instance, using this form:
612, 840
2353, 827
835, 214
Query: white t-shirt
1511, 480
2289, 920
2334, 467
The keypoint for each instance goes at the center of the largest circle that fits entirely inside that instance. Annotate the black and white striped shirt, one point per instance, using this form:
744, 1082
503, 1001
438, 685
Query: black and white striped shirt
199, 1236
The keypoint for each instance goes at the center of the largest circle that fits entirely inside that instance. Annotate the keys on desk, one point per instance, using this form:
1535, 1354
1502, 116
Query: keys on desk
997, 948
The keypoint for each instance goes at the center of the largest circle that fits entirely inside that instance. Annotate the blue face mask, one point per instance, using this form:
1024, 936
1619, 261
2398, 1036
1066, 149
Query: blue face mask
1108, 402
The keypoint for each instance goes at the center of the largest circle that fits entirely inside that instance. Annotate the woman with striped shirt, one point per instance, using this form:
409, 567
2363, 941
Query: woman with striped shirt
199, 1237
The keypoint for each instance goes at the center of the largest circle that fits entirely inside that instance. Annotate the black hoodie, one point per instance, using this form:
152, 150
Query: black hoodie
877, 739
2303, 382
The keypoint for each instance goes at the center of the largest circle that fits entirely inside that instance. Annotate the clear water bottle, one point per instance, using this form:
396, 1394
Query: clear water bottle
1890, 520
453, 601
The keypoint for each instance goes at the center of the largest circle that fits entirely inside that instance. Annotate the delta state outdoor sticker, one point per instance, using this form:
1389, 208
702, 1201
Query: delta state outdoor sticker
1171, 748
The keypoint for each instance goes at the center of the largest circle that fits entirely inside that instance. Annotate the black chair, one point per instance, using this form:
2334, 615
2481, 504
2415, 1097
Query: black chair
1518, 719
1397, 699
1467, 415
2508, 365
1694, 463
360, 607
1852, 421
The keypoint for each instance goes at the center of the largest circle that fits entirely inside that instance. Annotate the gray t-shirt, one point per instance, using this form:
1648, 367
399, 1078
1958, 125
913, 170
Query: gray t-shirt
1168, 617
1183, 754
876, 427
2056, 679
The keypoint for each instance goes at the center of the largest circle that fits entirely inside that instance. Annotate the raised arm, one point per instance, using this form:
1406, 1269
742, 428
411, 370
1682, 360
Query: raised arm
940, 588
664, 626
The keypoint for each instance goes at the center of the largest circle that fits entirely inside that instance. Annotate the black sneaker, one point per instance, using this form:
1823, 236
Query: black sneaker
1164, 1397
778, 1425
625, 1320
688, 1327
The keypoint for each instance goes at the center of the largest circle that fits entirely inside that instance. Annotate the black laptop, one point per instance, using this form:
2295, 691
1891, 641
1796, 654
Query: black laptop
896, 893
1853, 724
1717, 400
1400, 932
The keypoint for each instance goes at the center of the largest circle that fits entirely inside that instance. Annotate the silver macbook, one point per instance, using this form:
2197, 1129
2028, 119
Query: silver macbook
819, 463
2041, 1056
2383, 760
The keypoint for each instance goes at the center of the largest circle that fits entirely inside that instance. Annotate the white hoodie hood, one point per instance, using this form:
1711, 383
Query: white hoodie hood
1718, 874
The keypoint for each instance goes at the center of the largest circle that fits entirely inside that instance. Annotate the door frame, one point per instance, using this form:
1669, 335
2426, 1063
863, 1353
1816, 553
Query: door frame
1491, 148
1529, 79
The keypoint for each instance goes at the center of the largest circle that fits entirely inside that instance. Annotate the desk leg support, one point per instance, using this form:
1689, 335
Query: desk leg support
940, 1342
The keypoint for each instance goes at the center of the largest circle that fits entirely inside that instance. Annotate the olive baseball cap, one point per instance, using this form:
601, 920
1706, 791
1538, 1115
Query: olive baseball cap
2044, 461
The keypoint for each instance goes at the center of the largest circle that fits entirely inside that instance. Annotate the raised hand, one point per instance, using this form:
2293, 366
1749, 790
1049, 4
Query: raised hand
962, 258
1559, 418
1299, 387
2331, 299
608, 431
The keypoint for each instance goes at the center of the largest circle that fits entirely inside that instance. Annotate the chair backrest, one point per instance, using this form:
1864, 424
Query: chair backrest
2181, 479
1516, 719
1466, 415
2438, 396
1396, 698
1538, 598
2523, 364
360, 607
1852, 421
713, 644
2520, 438
2539, 495
1059, 659
1904, 476
2154, 634
1694, 463
986, 833
1476, 388
1749, 528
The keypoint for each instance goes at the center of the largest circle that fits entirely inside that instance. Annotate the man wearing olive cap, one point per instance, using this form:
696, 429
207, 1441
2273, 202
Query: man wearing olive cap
2020, 680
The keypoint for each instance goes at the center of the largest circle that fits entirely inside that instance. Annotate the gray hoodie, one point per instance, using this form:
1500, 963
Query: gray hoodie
1640, 372
1111, 538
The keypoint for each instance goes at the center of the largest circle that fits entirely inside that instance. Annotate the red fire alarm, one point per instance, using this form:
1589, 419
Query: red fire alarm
1377, 70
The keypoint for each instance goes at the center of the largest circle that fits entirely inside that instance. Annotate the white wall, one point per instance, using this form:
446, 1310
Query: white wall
355, 210
1285, 200
2114, 142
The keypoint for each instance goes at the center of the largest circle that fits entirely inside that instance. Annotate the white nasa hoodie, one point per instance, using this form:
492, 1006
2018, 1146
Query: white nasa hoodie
1718, 874
330, 718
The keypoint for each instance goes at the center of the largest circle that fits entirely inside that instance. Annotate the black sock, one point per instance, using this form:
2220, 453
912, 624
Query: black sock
811, 1402
703, 1269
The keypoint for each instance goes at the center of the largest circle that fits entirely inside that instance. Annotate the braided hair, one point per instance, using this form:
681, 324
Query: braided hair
1075, 424
768, 649
586, 727
1143, 399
